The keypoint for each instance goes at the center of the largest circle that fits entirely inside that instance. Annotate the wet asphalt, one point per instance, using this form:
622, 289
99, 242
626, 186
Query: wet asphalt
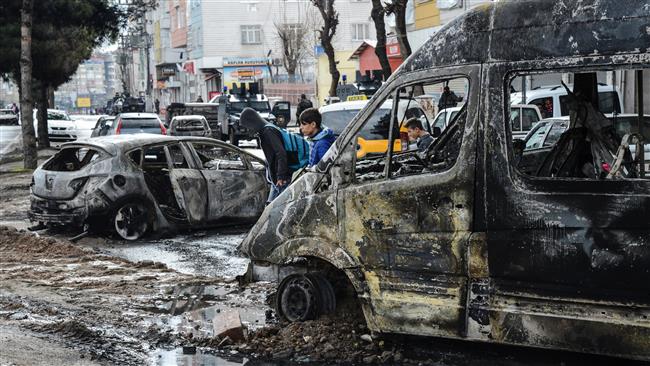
211, 253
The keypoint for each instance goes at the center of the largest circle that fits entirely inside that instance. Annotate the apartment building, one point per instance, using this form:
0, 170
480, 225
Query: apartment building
199, 46
91, 86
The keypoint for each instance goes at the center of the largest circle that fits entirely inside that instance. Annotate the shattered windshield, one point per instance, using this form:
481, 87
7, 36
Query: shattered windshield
73, 159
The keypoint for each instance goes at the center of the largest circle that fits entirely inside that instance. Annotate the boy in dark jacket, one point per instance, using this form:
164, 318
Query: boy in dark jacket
320, 138
278, 172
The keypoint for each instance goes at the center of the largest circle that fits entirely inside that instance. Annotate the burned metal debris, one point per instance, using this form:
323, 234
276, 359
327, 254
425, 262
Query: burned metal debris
144, 183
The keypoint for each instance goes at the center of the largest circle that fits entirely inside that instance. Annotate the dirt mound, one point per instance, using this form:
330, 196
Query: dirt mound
19, 245
343, 340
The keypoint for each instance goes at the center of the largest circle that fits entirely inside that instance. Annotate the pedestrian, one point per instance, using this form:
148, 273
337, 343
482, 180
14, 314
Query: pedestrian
14, 108
320, 138
199, 99
156, 106
448, 99
271, 141
303, 104
418, 134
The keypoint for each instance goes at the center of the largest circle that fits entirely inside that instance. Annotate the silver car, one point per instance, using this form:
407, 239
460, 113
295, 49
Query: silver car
134, 184
191, 125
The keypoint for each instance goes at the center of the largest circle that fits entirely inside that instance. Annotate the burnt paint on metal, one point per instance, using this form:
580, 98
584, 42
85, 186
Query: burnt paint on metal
100, 195
551, 263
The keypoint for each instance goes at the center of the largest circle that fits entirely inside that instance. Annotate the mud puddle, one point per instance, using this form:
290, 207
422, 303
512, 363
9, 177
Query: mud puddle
211, 253
191, 357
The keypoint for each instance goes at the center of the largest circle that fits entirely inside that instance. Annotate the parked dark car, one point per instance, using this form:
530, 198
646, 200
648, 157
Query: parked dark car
103, 126
456, 241
135, 184
130, 123
8, 117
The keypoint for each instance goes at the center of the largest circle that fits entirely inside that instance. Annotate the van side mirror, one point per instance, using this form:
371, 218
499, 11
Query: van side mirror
436, 132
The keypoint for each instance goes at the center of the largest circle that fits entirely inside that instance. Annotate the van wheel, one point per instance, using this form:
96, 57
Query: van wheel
131, 220
304, 297
233, 138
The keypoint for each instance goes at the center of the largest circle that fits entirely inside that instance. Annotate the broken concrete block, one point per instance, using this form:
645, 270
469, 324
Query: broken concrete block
228, 324
366, 337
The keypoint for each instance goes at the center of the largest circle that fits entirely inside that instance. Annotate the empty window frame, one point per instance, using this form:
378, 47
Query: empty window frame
591, 129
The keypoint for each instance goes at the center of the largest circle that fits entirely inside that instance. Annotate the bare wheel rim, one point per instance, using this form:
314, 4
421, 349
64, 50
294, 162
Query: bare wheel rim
131, 221
298, 299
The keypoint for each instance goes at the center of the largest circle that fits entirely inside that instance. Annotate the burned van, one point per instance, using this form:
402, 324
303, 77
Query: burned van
457, 241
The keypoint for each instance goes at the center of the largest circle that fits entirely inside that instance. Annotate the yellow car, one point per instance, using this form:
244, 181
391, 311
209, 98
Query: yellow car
373, 138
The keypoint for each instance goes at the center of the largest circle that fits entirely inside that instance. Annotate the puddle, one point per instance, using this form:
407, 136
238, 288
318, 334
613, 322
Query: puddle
176, 357
207, 253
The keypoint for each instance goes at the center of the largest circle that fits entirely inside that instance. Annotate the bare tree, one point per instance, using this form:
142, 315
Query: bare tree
293, 39
377, 14
327, 31
30, 159
398, 8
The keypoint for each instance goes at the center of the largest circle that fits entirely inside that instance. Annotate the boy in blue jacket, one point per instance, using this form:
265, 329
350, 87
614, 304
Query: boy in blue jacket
320, 138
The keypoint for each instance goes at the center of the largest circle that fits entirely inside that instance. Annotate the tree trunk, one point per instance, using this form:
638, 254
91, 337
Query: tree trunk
400, 28
330, 21
336, 75
41, 102
377, 15
50, 97
30, 158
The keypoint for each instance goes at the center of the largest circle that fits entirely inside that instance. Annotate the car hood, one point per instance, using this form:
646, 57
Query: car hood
293, 216
60, 123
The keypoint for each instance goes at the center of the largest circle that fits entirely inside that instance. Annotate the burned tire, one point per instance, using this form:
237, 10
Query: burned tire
131, 220
304, 297
327, 300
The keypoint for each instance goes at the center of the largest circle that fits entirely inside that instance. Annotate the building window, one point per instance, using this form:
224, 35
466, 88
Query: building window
360, 32
251, 34
180, 17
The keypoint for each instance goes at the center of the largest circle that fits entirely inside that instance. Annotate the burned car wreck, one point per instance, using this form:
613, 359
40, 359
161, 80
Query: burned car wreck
457, 242
134, 184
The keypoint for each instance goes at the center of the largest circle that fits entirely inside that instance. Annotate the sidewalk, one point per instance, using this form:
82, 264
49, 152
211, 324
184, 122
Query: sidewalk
12, 163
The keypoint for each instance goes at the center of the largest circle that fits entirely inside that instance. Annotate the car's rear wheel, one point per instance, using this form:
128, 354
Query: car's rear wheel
131, 220
303, 297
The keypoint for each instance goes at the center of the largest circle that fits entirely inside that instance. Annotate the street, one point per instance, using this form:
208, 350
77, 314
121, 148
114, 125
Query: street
8, 136
88, 303
325, 182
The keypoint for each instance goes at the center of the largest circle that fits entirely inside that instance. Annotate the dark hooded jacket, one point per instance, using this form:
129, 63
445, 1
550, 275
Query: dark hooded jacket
271, 142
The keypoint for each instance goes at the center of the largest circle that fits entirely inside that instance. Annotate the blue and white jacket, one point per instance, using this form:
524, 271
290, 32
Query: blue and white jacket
319, 145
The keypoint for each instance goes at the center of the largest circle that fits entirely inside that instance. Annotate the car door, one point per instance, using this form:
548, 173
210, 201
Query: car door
567, 252
190, 188
409, 225
235, 188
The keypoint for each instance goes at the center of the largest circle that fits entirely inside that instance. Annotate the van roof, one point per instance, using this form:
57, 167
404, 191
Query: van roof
511, 31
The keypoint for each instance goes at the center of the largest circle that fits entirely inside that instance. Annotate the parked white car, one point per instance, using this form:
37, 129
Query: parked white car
60, 127
552, 101
85, 123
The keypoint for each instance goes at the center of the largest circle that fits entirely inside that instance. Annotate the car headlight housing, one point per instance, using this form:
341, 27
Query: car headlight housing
77, 183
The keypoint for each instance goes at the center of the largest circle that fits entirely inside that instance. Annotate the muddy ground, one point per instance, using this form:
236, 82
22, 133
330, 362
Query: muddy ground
105, 302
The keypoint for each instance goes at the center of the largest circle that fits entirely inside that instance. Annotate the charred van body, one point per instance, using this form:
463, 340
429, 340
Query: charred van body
458, 242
